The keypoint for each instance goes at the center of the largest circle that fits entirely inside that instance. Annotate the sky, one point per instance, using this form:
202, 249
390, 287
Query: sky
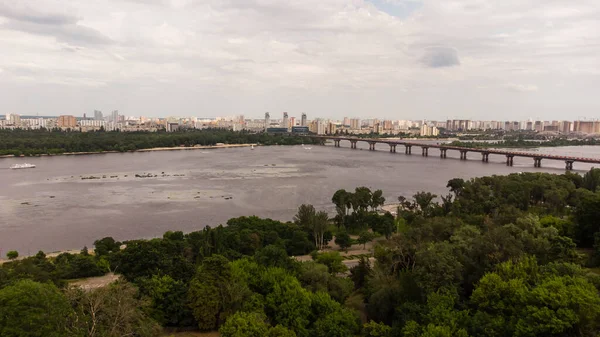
392, 59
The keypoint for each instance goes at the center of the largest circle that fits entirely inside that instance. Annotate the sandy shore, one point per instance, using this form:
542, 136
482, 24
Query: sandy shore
197, 147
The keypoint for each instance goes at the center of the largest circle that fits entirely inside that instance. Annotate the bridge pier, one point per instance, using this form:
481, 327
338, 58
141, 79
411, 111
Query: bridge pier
372, 146
485, 157
353, 144
336, 143
569, 165
509, 160
443, 153
463, 154
424, 151
408, 149
392, 148
537, 162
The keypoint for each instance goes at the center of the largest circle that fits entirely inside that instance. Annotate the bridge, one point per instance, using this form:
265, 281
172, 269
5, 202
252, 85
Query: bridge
485, 153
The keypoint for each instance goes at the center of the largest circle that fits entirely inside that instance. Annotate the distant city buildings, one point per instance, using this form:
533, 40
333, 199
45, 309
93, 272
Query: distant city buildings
290, 123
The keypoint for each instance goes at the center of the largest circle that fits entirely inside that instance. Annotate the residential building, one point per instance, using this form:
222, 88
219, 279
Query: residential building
66, 121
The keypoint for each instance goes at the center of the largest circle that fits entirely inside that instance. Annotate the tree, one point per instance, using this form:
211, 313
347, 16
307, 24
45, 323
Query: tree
33, 309
106, 246
169, 303
112, 311
591, 179
245, 324
366, 237
360, 273
343, 240
333, 261
424, 199
456, 186
320, 223
273, 256
214, 294
377, 200
305, 216
13, 254
521, 299
373, 329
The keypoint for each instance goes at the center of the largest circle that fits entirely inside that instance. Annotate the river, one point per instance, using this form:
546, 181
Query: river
52, 207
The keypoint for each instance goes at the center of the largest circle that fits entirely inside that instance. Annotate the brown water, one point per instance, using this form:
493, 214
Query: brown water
52, 208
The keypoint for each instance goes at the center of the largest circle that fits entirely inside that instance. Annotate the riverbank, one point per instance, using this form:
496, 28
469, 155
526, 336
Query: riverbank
175, 148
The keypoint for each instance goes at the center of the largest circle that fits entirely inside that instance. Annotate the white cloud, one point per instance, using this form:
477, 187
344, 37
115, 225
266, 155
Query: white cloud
327, 57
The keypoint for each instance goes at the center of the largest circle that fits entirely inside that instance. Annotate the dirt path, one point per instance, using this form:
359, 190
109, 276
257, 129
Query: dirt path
95, 282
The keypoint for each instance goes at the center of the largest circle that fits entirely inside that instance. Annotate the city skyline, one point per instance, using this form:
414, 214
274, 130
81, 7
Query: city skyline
387, 59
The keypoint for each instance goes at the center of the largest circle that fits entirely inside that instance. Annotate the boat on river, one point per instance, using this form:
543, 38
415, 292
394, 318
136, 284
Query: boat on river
22, 166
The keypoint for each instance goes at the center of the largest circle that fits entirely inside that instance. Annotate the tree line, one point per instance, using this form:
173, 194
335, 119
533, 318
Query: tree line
514, 255
36, 142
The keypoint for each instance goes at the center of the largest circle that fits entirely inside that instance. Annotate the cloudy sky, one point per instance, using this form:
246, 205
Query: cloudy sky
400, 59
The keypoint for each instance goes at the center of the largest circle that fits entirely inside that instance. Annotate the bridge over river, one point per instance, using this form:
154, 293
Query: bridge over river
485, 153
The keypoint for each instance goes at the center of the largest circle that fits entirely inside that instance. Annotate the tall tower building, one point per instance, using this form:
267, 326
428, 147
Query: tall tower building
98, 115
303, 120
267, 120
285, 123
115, 116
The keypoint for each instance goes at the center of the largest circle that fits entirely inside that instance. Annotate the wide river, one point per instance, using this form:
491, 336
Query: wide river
53, 208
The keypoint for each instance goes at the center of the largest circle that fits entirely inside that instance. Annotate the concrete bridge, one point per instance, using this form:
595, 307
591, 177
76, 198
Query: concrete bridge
485, 153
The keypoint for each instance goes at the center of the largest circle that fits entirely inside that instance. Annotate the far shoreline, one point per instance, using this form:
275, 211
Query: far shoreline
174, 148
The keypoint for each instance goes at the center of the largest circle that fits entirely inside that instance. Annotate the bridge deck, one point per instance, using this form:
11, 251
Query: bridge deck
468, 149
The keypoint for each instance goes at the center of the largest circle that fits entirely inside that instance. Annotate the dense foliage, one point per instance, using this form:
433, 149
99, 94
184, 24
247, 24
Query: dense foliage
497, 256
36, 142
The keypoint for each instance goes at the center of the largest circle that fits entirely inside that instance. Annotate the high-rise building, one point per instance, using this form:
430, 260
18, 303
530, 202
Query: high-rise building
292, 121
66, 121
285, 123
587, 126
303, 120
346, 121
267, 120
427, 130
13, 119
355, 124
98, 115
565, 127
114, 116
387, 125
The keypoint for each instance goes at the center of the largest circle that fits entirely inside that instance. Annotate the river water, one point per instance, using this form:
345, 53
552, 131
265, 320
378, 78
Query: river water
53, 208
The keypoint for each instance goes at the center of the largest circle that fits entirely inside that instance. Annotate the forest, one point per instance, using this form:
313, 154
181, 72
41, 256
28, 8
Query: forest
37, 142
497, 256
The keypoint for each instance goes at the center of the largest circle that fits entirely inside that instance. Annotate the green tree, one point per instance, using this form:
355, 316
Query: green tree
366, 237
305, 216
373, 329
214, 294
377, 200
333, 261
343, 240
33, 309
105, 246
169, 304
456, 186
13, 254
245, 324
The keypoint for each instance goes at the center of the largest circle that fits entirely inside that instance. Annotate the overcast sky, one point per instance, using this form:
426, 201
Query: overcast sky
397, 59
